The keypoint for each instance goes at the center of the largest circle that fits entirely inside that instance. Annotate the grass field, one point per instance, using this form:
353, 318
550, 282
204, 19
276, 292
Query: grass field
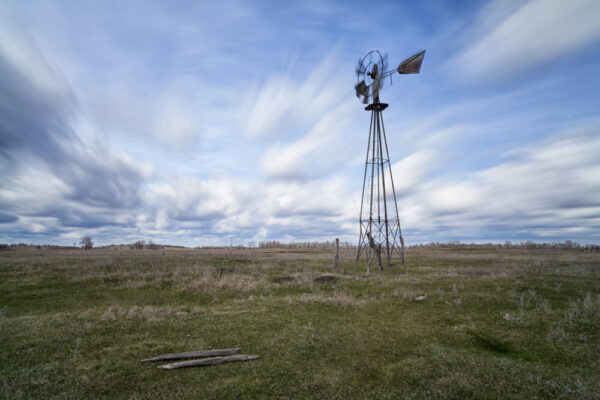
497, 324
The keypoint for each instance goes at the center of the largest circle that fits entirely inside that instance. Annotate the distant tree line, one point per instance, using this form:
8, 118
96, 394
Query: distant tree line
141, 244
328, 244
566, 245
529, 244
14, 246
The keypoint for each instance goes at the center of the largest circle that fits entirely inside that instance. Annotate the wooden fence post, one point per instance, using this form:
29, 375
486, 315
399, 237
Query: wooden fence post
337, 253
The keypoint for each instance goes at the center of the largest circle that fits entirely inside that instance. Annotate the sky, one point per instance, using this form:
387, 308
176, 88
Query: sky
210, 123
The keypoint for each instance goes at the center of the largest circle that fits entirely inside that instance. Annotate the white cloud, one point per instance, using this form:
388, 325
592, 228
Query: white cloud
315, 152
305, 123
50, 172
283, 101
19, 192
552, 187
265, 109
225, 205
413, 169
22, 51
538, 32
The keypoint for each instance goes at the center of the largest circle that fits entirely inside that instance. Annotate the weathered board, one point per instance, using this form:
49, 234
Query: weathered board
208, 361
193, 354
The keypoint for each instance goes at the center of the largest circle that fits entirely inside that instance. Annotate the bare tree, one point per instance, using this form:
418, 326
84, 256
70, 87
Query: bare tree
86, 242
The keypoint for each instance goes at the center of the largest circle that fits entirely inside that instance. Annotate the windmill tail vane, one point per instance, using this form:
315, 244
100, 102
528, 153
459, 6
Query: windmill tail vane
380, 235
412, 65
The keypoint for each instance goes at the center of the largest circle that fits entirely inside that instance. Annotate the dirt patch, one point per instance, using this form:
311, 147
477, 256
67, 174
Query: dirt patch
282, 279
326, 279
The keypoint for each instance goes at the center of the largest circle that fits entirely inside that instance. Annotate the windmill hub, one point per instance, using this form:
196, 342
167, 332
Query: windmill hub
380, 233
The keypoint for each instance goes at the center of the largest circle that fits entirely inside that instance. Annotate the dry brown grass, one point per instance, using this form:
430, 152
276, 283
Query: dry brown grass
237, 282
338, 298
150, 313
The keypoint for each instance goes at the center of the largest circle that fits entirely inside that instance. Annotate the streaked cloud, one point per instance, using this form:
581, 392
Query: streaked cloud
535, 32
312, 154
50, 174
544, 189
281, 102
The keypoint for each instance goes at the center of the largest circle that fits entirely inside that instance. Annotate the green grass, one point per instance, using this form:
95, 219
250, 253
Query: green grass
493, 324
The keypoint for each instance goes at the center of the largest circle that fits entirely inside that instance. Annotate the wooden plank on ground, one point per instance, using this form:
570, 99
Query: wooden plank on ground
193, 354
208, 361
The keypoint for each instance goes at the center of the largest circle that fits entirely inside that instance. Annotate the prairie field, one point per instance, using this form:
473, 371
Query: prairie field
477, 323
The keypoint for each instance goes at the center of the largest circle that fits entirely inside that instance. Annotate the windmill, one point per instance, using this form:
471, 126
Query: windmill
380, 233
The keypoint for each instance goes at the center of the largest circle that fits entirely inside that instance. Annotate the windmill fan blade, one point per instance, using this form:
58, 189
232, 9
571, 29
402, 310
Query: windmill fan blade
384, 67
362, 90
411, 65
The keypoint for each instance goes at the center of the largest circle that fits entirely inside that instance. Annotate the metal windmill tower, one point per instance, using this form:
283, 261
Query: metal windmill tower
380, 233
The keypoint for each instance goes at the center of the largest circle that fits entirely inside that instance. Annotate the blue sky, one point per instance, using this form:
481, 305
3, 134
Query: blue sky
201, 123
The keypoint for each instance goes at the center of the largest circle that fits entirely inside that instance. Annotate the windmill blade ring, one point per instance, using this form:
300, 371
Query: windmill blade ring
368, 76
